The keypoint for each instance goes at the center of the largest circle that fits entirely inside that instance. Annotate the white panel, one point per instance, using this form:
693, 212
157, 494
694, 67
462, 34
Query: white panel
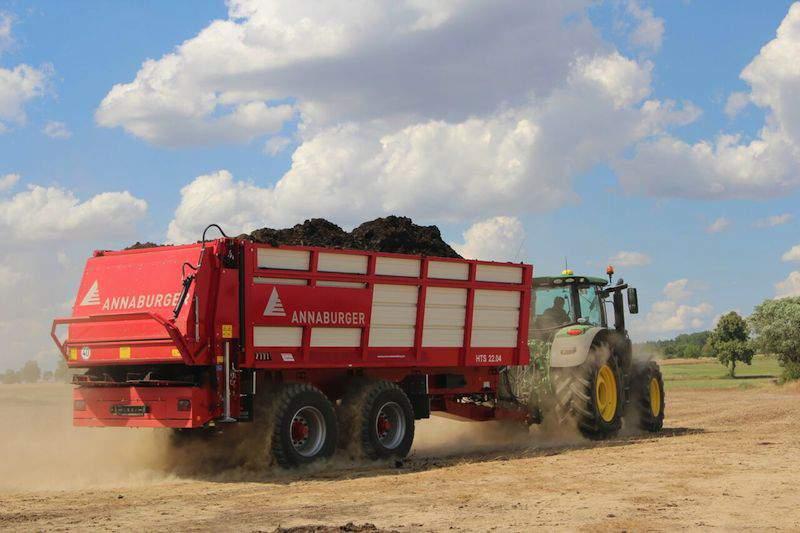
436, 317
486, 298
495, 338
445, 311
492, 318
501, 274
394, 315
287, 259
347, 263
445, 296
394, 337
277, 336
392, 266
350, 337
347, 284
404, 294
495, 318
442, 337
448, 270
280, 281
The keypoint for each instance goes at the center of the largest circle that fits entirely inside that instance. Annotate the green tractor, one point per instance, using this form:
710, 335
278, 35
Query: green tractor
582, 367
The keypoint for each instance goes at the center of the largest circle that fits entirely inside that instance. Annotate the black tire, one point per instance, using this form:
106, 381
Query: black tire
578, 396
304, 427
377, 421
648, 397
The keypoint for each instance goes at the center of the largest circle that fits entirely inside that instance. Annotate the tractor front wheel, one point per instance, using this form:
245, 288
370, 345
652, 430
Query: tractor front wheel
591, 394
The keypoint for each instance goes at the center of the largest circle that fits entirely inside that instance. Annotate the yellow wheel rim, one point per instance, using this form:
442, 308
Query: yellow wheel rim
605, 393
655, 397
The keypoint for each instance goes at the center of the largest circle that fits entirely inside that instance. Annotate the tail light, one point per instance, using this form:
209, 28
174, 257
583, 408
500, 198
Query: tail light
574, 332
184, 405
79, 405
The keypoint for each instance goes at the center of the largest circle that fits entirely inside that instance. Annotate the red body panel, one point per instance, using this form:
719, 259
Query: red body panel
123, 315
162, 404
350, 307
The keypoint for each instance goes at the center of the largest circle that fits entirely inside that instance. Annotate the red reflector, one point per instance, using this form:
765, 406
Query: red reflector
184, 405
79, 405
574, 332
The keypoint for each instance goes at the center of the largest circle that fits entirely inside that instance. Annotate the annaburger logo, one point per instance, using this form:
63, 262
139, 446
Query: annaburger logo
274, 305
92, 296
323, 318
133, 301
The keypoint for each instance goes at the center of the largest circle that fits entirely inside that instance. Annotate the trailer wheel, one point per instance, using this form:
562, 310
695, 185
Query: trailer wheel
378, 421
591, 394
304, 428
648, 397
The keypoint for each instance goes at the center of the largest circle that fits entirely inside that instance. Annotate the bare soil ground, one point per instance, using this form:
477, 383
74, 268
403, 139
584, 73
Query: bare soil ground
726, 460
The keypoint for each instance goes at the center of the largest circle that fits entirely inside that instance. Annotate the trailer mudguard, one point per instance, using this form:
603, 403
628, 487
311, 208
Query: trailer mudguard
571, 348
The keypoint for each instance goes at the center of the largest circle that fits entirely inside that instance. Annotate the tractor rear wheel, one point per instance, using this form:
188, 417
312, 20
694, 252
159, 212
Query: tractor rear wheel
591, 394
304, 426
377, 421
648, 397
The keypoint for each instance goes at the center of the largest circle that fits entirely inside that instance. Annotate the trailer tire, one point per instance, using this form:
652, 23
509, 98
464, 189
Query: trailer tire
648, 397
378, 421
591, 394
304, 427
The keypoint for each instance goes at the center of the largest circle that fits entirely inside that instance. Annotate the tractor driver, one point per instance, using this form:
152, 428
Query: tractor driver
555, 315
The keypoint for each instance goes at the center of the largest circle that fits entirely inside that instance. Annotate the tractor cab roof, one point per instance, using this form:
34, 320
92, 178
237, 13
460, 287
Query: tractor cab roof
568, 277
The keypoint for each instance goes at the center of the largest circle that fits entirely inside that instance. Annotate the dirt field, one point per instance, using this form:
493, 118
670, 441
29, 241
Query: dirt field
727, 460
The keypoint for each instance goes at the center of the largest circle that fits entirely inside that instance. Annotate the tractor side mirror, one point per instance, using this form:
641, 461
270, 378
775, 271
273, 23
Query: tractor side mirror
633, 301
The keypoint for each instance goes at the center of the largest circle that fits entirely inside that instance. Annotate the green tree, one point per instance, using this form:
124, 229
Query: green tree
730, 341
31, 372
776, 325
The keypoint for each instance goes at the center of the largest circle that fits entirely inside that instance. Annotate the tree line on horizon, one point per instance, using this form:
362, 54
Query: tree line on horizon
772, 329
32, 373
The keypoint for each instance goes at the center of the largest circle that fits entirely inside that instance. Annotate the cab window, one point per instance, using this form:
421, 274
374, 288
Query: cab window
591, 306
552, 307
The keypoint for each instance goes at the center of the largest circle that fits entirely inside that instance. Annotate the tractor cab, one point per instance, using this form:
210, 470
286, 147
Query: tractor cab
565, 300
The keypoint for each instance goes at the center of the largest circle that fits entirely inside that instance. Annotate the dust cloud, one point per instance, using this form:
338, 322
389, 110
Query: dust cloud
443, 437
41, 450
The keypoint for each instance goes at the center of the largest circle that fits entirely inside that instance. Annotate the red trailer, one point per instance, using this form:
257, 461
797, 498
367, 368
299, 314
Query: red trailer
320, 341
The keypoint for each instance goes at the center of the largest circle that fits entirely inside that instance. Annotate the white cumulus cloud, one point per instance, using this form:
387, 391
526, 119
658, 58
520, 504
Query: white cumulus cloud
731, 166
736, 102
793, 254
276, 145
8, 181
56, 130
630, 259
47, 213
788, 287
18, 86
719, 225
6, 39
511, 161
649, 29
675, 312
396, 107
774, 220
498, 238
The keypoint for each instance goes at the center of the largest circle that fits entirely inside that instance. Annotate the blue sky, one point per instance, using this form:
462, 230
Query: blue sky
373, 129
